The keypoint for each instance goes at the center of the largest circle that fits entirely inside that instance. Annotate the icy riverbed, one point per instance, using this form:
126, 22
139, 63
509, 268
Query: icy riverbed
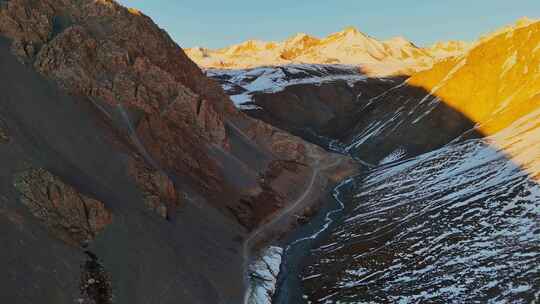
263, 273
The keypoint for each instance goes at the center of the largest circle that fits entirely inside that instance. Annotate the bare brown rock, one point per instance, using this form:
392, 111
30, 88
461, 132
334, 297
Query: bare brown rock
68, 214
29, 24
120, 58
274, 192
158, 190
283, 145
156, 123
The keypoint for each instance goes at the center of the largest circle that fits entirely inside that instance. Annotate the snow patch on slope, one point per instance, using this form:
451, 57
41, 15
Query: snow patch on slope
537, 48
264, 272
242, 85
509, 64
396, 155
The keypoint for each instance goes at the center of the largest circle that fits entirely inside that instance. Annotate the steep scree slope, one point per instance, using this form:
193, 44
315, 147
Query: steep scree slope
132, 139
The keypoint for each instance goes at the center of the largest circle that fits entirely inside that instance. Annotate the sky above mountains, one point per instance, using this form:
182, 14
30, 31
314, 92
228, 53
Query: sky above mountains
217, 24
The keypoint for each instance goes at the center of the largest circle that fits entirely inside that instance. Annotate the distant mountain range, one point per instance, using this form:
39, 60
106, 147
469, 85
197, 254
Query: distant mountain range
395, 56
350, 47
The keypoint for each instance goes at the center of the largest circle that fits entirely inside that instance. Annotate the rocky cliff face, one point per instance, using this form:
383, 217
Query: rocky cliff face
113, 139
122, 61
70, 215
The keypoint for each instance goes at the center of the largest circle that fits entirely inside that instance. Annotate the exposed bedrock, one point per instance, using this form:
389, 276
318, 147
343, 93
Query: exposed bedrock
70, 215
144, 253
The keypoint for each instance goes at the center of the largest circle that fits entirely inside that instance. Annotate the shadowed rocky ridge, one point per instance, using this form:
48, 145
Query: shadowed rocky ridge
144, 83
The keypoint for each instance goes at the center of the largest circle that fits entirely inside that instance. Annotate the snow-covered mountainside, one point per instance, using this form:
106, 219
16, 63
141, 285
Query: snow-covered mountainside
242, 85
343, 103
350, 47
460, 223
450, 210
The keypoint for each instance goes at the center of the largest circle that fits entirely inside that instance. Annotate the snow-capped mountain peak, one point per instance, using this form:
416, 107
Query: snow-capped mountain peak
349, 46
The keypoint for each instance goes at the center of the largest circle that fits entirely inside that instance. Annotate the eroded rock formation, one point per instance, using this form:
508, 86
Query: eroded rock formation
160, 194
68, 214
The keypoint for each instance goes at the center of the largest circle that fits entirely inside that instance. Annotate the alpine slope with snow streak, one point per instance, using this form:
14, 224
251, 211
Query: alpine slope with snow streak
457, 225
241, 85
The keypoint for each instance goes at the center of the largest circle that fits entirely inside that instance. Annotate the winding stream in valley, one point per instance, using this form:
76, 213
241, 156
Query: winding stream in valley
301, 241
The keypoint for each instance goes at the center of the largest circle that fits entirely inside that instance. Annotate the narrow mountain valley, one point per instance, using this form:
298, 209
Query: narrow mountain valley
342, 169
446, 207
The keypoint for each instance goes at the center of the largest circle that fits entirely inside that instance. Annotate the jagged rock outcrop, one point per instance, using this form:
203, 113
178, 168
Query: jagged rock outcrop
160, 194
119, 65
99, 53
68, 214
